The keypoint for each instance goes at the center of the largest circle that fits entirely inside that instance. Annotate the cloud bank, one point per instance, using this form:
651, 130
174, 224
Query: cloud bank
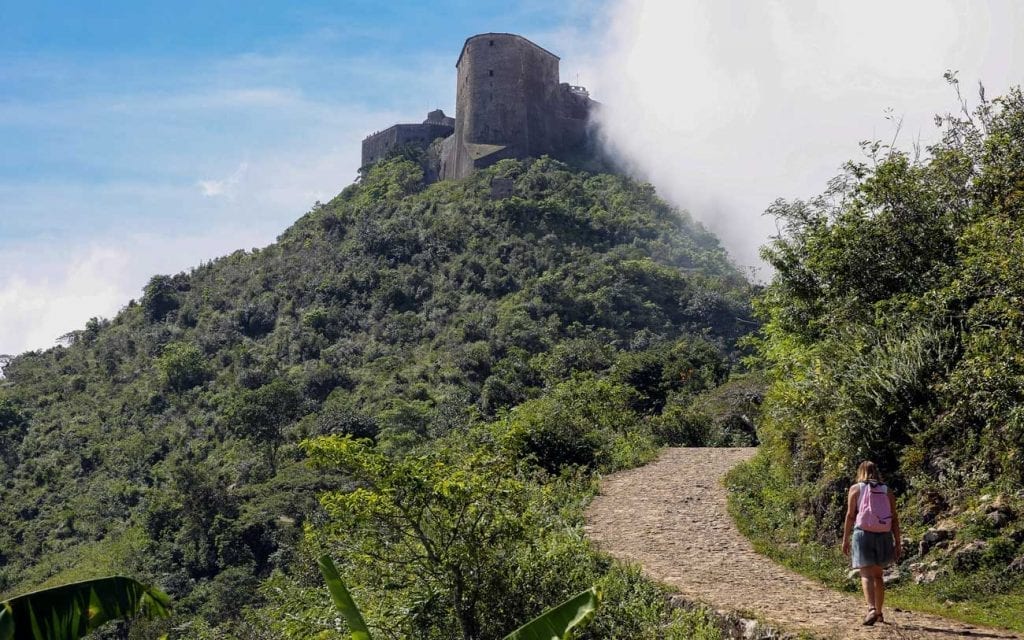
726, 105
45, 292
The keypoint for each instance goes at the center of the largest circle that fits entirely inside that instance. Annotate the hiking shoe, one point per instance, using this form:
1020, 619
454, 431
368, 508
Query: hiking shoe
871, 618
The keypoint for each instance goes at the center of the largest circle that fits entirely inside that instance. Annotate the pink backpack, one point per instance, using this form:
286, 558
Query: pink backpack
873, 510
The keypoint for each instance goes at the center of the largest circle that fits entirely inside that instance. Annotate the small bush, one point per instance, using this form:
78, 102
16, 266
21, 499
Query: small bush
183, 366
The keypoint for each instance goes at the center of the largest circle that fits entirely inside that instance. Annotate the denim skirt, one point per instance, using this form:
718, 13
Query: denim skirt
868, 548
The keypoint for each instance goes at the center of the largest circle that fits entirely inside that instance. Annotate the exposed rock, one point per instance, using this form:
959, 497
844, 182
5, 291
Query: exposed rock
997, 519
891, 575
1017, 566
932, 538
1001, 502
924, 572
931, 506
968, 557
999, 513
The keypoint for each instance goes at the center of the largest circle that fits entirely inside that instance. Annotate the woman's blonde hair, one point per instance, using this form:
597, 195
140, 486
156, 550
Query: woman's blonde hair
868, 472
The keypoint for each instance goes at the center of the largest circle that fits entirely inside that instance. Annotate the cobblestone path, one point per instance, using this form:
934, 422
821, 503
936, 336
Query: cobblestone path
670, 517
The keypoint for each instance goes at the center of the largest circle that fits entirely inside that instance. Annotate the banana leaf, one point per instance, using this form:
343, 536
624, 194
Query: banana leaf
342, 599
71, 611
558, 622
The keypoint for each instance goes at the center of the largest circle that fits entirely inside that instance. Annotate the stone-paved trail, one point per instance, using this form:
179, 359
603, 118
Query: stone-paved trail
670, 517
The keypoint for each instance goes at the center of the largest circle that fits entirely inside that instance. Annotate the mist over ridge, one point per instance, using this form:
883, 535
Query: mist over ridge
727, 106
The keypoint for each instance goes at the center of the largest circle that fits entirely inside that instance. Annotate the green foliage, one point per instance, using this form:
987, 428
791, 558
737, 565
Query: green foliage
634, 607
12, 427
558, 622
159, 298
342, 599
390, 181
895, 287
71, 611
262, 414
721, 416
450, 521
892, 331
456, 538
165, 441
571, 426
182, 367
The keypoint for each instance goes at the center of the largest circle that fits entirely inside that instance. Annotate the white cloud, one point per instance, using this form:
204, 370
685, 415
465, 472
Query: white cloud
75, 248
51, 287
726, 105
39, 304
45, 293
225, 187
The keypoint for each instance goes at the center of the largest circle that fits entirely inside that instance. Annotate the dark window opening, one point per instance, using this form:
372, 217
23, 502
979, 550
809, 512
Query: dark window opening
491, 43
490, 72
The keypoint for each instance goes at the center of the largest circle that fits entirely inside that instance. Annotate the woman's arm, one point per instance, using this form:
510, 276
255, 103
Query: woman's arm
895, 527
851, 517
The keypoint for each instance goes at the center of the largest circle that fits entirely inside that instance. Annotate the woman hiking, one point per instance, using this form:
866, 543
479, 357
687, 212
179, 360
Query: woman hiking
871, 535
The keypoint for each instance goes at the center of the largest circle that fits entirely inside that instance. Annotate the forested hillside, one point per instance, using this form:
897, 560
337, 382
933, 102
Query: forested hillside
894, 331
467, 361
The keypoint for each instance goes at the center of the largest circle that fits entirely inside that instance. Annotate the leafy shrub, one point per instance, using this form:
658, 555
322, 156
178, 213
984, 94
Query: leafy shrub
159, 298
182, 366
571, 426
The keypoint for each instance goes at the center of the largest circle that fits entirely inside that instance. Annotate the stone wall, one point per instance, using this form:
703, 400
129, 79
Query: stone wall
379, 144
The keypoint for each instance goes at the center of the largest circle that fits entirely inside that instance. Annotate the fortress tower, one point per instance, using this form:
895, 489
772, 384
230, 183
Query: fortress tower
509, 104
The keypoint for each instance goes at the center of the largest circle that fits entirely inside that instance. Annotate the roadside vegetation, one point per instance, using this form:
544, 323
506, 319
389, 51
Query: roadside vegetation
893, 331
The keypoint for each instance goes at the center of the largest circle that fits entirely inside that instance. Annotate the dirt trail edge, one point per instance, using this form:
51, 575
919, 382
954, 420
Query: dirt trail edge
670, 517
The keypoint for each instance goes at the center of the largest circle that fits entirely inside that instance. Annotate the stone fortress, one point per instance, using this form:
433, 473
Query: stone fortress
509, 104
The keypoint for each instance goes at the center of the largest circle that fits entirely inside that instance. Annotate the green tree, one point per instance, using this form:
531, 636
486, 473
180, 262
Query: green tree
442, 525
12, 427
572, 426
182, 366
892, 326
261, 415
557, 622
159, 298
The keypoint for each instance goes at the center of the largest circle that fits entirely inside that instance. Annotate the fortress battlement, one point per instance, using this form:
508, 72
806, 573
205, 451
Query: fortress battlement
509, 103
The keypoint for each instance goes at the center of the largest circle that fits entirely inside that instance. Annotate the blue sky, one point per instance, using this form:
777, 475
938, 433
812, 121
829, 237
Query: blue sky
144, 137
102, 101
139, 137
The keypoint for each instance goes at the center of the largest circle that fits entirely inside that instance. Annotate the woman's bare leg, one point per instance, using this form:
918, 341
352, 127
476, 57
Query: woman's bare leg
867, 582
879, 590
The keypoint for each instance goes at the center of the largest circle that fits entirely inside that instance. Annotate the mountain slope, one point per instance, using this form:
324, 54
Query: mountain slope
164, 441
